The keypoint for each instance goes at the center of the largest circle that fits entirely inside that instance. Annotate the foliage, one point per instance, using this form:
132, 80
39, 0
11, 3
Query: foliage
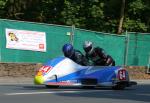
98, 15
134, 25
2, 6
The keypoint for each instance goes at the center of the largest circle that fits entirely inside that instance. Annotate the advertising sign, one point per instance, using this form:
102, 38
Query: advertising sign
25, 40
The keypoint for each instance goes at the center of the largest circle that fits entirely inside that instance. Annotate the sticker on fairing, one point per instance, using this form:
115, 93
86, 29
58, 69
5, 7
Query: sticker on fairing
45, 69
122, 74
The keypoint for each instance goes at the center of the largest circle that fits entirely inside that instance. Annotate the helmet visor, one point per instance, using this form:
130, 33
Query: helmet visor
87, 49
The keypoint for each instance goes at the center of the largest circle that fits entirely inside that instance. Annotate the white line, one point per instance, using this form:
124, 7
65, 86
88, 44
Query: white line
26, 93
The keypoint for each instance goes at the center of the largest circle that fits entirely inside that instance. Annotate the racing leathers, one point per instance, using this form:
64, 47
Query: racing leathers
99, 58
79, 58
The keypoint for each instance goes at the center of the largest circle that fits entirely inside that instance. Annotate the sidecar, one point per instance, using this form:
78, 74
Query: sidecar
63, 71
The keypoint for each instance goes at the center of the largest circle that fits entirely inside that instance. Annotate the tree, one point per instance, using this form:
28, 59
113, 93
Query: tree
97, 15
14, 9
136, 16
2, 6
121, 17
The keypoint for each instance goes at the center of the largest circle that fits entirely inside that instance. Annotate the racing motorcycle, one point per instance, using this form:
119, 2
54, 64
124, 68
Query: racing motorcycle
62, 71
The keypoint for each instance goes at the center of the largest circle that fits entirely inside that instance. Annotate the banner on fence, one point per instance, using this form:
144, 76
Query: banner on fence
25, 40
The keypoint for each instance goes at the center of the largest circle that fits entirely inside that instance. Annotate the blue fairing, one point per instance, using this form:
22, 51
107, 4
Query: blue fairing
54, 62
102, 74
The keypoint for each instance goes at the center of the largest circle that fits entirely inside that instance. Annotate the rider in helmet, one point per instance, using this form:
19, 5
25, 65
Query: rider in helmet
74, 55
97, 55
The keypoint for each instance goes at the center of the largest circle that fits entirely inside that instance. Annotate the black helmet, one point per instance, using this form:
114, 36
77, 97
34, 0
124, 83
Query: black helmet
87, 46
68, 50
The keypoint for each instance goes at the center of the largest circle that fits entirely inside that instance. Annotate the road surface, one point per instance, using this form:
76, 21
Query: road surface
27, 92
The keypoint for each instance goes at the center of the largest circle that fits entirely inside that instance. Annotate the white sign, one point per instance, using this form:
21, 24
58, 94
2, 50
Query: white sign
25, 40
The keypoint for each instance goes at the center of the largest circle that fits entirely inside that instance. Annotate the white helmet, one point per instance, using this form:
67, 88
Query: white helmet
87, 46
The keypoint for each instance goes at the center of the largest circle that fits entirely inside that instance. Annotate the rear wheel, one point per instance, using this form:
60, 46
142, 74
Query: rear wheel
119, 87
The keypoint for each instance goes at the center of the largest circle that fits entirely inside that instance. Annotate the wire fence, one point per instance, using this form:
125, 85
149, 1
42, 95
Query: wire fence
129, 49
137, 49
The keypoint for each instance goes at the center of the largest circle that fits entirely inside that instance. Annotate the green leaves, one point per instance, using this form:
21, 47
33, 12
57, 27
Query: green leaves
2, 6
2, 3
97, 15
134, 25
136, 7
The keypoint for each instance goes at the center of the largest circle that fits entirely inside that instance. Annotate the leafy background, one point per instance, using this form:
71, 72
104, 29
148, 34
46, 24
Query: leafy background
97, 15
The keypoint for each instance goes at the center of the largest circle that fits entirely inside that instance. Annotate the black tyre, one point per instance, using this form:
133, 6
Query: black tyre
88, 87
51, 86
119, 87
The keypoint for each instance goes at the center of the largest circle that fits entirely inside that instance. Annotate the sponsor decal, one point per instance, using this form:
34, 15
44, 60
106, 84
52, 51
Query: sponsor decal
60, 83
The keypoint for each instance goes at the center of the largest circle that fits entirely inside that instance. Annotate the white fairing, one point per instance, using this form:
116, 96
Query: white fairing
63, 68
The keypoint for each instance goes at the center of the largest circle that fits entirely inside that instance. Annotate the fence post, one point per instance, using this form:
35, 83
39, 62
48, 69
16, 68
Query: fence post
148, 66
126, 49
72, 34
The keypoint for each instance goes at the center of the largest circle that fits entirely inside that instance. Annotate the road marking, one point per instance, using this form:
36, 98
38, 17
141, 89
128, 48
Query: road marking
26, 93
51, 92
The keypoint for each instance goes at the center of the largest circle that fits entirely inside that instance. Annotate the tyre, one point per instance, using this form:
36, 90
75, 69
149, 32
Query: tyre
88, 87
51, 86
119, 87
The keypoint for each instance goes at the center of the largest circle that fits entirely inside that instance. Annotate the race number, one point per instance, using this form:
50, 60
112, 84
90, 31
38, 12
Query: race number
45, 69
122, 74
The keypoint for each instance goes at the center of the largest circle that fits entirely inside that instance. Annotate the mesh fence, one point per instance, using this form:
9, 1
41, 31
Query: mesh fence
138, 49
112, 44
129, 49
55, 38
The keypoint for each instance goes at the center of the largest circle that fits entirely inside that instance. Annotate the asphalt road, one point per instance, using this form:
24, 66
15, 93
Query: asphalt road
29, 93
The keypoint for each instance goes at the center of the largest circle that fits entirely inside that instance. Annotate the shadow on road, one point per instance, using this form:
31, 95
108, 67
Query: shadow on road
135, 93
